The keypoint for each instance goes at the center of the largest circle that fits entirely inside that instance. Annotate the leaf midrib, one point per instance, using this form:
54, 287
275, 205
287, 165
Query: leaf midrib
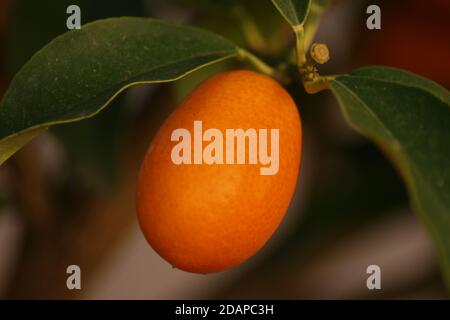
123, 84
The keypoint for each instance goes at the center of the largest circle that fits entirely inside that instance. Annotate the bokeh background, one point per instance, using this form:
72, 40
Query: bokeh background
68, 197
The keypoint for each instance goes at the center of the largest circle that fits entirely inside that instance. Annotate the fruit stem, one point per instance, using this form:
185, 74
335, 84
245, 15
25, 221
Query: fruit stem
317, 85
300, 45
319, 54
260, 65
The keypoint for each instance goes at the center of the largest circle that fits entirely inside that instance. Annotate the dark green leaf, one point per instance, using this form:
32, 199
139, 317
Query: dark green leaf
409, 118
80, 72
294, 11
92, 146
26, 16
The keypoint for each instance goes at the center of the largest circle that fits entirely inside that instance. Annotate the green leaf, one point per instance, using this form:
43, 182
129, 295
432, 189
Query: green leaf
25, 16
79, 73
294, 11
409, 118
91, 146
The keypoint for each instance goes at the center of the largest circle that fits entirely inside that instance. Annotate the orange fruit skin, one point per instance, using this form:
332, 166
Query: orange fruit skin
206, 218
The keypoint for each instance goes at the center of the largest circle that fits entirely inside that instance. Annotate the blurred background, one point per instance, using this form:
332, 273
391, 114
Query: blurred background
68, 197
